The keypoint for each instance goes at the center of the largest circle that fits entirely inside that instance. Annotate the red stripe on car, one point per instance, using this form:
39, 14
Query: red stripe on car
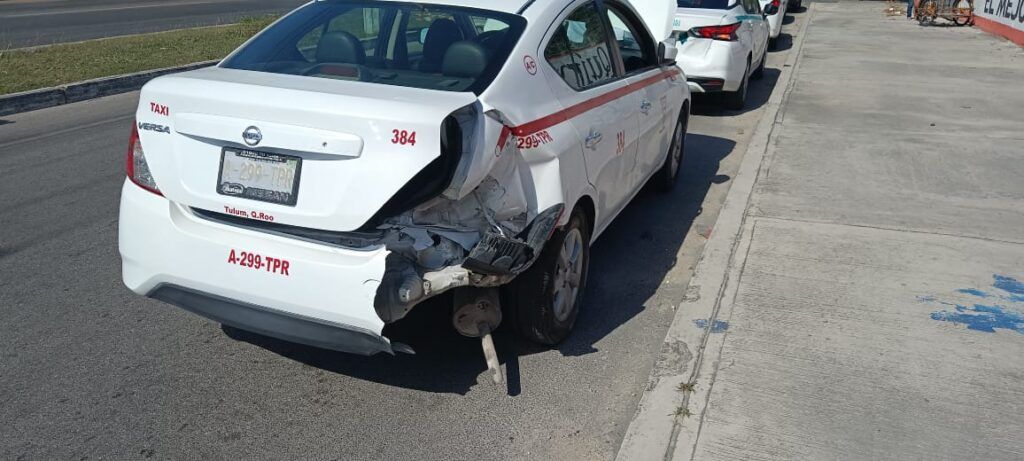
572, 111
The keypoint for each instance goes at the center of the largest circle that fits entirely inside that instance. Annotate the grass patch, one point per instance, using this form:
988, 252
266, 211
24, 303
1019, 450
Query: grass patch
48, 66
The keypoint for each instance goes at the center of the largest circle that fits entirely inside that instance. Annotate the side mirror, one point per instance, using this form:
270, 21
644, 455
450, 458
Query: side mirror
667, 50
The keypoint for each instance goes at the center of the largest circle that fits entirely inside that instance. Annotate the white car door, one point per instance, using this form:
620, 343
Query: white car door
755, 28
586, 77
639, 56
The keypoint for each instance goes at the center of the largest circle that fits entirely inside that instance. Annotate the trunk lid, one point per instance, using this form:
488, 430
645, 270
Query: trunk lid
359, 143
688, 18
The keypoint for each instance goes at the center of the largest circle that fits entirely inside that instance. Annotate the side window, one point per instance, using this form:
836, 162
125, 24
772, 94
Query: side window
635, 46
579, 51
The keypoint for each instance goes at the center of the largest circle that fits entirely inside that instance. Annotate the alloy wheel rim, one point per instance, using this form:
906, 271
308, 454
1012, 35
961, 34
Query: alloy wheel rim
568, 274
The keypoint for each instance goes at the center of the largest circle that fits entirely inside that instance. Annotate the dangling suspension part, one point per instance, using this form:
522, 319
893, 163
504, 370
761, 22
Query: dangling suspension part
477, 313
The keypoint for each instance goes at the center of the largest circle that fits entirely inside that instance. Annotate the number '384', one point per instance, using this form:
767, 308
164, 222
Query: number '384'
403, 137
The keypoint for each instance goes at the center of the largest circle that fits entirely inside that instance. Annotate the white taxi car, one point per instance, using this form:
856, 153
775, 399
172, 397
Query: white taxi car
723, 43
359, 157
774, 13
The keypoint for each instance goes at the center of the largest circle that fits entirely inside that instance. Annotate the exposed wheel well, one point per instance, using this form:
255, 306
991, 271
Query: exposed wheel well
586, 204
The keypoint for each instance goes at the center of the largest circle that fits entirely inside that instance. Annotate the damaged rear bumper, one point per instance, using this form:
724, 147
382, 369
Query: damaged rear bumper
325, 298
274, 323
332, 296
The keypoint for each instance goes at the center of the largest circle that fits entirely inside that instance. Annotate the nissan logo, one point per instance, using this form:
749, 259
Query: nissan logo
252, 136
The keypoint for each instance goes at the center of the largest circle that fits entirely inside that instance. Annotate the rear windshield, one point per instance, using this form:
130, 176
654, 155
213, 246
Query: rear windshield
706, 4
391, 43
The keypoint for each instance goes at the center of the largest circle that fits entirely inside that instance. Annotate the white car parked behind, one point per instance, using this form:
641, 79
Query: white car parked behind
723, 43
774, 13
357, 158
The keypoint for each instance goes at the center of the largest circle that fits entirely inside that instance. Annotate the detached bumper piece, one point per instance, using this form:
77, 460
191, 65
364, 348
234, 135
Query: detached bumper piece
276, 324
496, 254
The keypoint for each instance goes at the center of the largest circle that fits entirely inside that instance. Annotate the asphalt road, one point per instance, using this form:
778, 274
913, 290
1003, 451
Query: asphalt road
91, 370
42, 22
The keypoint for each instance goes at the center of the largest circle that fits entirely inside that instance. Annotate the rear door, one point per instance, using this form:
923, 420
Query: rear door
640, 62
587, 78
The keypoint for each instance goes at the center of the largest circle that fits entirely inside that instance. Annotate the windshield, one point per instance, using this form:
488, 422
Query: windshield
404, 44
706, 4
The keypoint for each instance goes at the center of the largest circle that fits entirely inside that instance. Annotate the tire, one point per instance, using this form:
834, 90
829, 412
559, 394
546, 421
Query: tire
773, 43
665, 178
531, 300
735, 100
759, 72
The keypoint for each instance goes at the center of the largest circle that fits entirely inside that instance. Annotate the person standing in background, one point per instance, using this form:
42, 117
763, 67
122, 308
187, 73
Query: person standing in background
910, 9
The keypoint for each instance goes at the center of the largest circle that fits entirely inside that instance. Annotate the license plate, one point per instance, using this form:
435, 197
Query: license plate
259, 176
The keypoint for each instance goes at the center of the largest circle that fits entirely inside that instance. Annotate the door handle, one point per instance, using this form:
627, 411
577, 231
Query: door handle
645, 106
592, 139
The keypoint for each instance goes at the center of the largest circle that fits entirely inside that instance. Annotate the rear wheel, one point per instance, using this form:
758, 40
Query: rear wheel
666, 177
735, 100
543, 302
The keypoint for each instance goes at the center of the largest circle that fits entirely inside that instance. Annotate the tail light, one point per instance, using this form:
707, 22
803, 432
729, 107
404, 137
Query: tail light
725, 33
773, 7
136, 166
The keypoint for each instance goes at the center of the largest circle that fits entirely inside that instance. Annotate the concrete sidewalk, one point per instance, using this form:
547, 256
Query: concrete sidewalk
863, 294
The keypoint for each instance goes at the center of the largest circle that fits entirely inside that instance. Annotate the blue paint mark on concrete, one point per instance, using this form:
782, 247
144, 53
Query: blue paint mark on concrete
1010, 285
985, 318
973, 292
717, 327
996, 314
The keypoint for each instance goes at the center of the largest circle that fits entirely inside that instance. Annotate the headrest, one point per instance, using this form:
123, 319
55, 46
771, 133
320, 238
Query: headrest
341, 47
440, 35
464, 59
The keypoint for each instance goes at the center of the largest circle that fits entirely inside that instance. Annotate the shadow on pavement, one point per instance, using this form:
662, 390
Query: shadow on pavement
710, 105
782, 43
647, 234
788, 19
939, 22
